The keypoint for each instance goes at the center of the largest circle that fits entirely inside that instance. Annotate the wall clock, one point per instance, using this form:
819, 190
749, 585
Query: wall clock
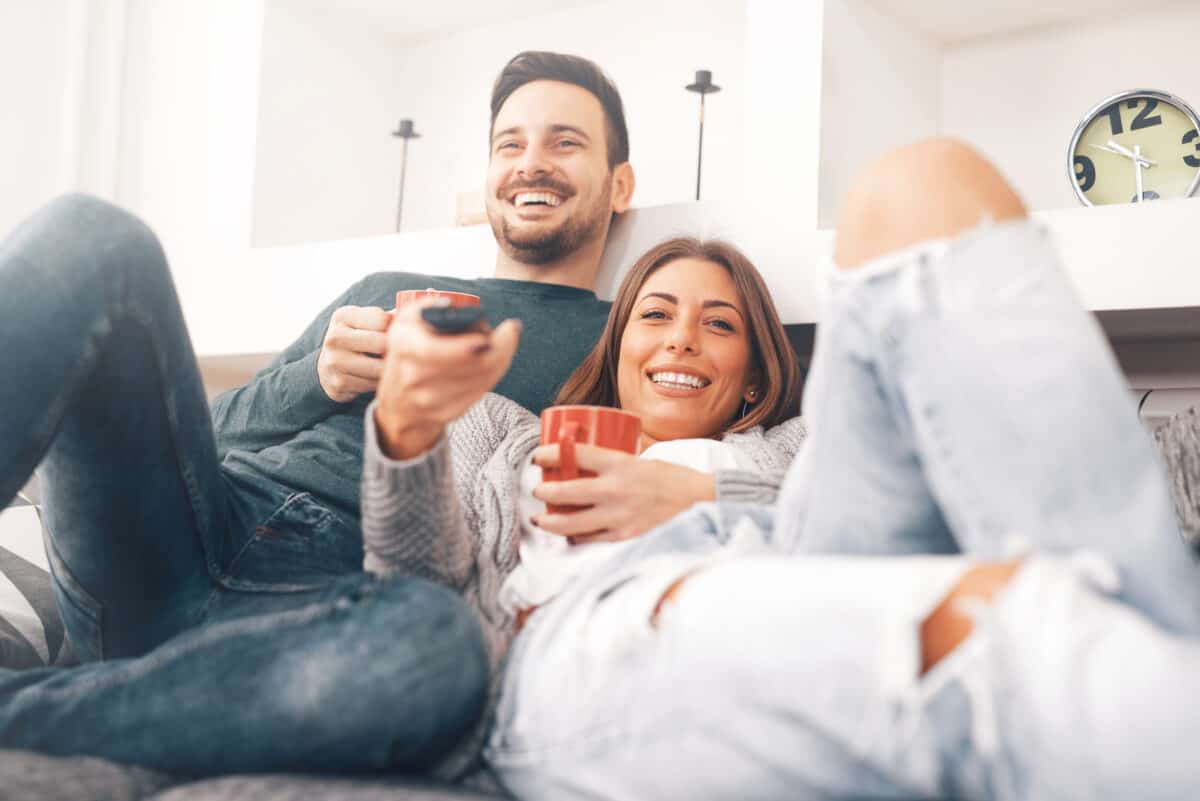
1136, 146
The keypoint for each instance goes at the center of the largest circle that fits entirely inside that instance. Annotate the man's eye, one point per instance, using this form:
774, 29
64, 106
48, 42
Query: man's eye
568, 143
507, 146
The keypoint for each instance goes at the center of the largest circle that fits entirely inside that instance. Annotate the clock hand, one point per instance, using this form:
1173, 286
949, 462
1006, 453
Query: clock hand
1144, 161
1127, 153
1137, 166
1105, 149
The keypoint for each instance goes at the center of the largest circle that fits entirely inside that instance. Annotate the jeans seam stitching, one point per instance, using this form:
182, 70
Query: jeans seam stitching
169, 397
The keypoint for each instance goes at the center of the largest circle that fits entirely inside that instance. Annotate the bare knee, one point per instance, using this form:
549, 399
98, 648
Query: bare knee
931, 189
948, 625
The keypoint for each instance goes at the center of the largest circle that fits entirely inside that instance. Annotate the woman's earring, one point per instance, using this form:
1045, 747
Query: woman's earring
751, 395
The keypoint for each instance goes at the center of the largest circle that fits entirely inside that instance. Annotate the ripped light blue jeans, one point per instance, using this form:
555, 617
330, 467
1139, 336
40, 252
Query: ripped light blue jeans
963, 407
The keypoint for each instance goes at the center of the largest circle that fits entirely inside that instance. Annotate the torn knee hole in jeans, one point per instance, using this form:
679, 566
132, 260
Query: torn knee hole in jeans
668, 596
950, 622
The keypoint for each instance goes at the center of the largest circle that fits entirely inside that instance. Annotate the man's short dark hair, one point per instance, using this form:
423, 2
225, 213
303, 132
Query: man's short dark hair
540, 65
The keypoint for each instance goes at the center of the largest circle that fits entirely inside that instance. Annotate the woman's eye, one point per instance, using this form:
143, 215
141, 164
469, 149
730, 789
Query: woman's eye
722, 324
654, 314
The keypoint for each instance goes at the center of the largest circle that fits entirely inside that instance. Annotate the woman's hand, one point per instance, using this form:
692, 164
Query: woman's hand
430, 379
628, 495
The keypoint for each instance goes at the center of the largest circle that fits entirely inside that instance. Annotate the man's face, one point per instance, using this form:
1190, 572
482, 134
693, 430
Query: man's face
549, 186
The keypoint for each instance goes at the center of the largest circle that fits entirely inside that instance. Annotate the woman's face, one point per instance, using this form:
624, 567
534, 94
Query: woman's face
685, 352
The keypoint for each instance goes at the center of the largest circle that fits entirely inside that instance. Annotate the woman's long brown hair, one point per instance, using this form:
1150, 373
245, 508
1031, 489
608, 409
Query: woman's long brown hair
773, 363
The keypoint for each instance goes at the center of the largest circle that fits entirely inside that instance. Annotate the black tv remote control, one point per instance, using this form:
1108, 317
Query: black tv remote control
454, 319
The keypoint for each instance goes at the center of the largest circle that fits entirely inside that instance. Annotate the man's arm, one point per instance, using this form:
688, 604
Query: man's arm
284, 397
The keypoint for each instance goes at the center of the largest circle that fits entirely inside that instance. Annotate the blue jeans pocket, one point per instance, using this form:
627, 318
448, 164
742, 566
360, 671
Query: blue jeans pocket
81, 614
301, 545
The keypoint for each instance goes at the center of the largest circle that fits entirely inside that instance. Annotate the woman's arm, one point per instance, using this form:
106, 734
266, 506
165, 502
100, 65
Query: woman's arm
403, 496
447, 514
629, 495
772, 452
429, 380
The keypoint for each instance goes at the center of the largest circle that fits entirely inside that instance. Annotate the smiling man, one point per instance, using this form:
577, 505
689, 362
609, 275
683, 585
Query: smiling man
217, 553
559, 171
558, 174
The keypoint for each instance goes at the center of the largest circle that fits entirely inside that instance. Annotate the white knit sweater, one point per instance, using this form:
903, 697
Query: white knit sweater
451, 514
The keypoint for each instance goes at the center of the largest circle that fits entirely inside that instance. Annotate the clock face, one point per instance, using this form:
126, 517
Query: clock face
1159, 128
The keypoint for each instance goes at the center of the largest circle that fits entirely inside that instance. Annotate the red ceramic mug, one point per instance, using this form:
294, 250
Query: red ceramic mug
455, 298
589, 425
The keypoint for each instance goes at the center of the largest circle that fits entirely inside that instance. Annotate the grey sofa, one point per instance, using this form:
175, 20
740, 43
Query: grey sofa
25, 776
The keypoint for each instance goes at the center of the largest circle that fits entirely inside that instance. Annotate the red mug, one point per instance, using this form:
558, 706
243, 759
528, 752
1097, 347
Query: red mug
455, 298
590, 425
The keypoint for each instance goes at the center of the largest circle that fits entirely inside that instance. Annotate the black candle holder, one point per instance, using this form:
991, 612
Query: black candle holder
703, 85
405, 131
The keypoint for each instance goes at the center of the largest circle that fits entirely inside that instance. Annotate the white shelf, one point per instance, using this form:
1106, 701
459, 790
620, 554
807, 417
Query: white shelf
829, 84
1131, 257
1119, 258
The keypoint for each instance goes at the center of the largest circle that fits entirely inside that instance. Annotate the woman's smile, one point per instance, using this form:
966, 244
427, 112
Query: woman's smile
677, 382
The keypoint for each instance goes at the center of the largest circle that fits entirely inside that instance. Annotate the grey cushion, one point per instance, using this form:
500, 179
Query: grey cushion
1178, 441
32, 777
31, 632
25, 776
303, 788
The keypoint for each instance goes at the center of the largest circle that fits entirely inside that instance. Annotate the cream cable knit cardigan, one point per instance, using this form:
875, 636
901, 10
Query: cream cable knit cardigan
451, 514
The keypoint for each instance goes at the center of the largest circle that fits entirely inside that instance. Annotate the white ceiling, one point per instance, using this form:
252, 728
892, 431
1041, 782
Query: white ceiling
951, 21
418, 20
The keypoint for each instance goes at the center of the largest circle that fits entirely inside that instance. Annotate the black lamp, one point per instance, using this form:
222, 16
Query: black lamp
703, 85
405, 132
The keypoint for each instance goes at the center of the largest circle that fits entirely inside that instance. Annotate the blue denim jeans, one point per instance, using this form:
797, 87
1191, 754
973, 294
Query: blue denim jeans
962, 405
223, 624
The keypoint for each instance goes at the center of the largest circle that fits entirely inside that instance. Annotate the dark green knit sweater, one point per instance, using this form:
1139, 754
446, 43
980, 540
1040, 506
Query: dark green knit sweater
282, 427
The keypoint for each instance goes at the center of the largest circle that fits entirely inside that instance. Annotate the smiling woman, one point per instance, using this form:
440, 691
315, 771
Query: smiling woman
685, 357
721, 326
693, 346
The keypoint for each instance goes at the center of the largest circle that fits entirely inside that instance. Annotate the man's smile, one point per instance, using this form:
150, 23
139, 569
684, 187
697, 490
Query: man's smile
535, 198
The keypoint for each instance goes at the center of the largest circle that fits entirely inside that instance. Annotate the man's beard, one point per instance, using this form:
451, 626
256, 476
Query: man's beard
549, 246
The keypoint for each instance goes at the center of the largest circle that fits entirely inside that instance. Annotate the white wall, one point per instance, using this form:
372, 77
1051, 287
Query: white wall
33, 80
651, 50
333, 89
881, 87
1018, 98
81, 79
326, 165
187, 145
